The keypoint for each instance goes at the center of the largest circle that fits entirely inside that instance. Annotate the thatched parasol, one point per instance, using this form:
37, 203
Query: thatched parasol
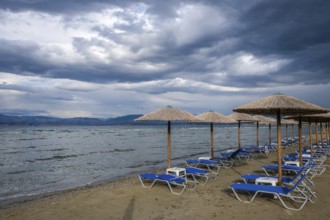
213, 117
240, 117
167, 114
314, 118
280, 105
264, 120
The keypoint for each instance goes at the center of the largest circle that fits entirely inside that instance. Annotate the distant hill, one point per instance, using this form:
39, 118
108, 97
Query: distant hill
42, 120
127, 119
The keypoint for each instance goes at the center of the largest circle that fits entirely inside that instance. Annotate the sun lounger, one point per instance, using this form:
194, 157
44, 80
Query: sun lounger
317, 166
285, 168
210, 165
201, 173
228, 159
287, 180
224, 161
169, 179
293, 193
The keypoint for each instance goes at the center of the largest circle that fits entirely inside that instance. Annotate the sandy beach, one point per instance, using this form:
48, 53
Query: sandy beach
126, 199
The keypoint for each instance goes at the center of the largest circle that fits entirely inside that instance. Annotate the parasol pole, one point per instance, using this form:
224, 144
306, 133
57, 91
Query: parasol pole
286, 132
212, 141
300, 142
239, 134
316, 135
169, 144
270, 133
327, 132
321, 129
310, 137
279, 148
257, 134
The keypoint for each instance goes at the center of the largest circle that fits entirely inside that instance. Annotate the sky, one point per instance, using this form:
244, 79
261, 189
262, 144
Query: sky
108, 58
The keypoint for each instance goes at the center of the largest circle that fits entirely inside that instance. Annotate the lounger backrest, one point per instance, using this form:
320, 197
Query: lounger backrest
234, 154
298, 182
299, 172
195, 170
171, 178
209, 162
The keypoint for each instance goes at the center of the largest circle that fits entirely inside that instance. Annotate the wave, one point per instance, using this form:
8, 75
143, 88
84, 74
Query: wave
19, 172
31, 139
56, 157
52, 150
14, 152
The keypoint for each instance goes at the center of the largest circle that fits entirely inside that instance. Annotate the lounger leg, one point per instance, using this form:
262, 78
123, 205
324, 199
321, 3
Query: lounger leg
278, 196
266, 172
246, 201
291, 197
146, 186
176, 193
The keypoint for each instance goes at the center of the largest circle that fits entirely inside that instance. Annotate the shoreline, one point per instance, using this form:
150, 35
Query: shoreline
27, 198
99, 183
127, 199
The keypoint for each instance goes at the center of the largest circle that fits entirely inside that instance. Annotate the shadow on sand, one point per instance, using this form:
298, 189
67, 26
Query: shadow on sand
129, 210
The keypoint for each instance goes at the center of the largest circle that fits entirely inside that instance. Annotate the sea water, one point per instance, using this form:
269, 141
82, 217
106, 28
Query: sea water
37, 160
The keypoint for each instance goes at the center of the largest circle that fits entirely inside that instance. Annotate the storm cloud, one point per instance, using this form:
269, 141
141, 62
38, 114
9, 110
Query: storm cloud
105, 58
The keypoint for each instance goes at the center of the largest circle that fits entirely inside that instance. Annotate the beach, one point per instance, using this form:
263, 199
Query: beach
127, 199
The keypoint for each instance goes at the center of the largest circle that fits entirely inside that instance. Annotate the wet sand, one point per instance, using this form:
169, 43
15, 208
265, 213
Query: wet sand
126, 199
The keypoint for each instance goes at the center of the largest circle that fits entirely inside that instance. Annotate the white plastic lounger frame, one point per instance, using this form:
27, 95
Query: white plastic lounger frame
203, 174
303, 198
154, 180
211, 167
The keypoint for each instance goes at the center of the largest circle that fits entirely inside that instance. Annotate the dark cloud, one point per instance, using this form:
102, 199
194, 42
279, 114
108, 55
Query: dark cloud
58, 7
286, 26
19, 56
245, 44
295, 30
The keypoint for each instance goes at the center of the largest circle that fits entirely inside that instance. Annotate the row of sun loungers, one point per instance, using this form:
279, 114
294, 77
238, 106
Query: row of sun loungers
297, 187
297, 183
198, 171
192, 176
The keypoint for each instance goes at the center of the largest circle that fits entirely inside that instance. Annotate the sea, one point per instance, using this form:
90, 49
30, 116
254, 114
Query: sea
41, 160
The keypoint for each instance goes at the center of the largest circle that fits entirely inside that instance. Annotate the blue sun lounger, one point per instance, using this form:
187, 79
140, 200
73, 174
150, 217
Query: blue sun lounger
285, 168
294, 193
228, 159
211, 165
252, 178
201, 173
316, 170
169, 179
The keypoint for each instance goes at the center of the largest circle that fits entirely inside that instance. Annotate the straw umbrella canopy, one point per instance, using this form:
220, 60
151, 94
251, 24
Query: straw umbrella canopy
280, 105
264, 120
168, 114
213, 117
313, 118
241, 117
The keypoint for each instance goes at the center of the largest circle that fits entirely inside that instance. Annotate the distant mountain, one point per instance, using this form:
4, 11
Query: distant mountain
42, 120
128, 119
83, 121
